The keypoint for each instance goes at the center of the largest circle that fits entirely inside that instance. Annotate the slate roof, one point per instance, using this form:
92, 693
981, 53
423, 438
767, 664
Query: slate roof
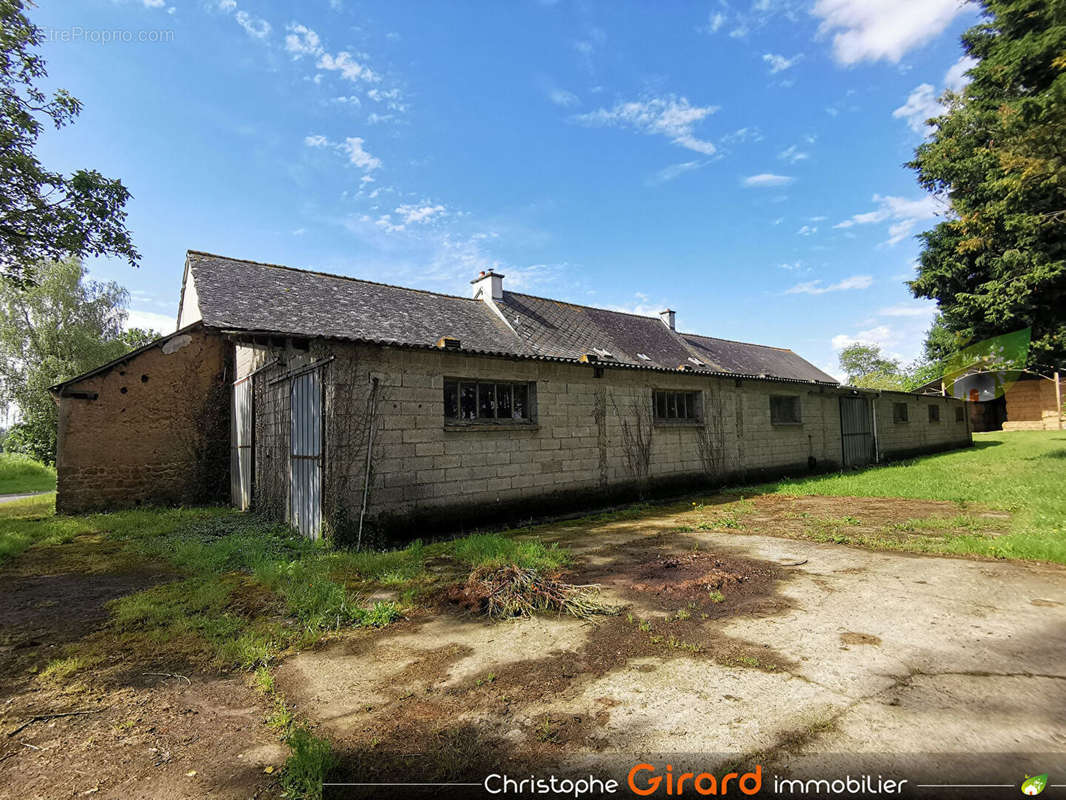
252, 296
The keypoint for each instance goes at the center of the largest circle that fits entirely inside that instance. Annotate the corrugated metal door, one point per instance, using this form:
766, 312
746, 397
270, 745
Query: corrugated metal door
856, 431
305, 464
242, 450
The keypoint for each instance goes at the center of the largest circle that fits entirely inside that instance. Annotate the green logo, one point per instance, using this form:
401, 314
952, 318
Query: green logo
1034, 785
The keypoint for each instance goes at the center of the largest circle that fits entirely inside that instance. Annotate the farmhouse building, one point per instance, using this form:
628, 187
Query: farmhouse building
342, 405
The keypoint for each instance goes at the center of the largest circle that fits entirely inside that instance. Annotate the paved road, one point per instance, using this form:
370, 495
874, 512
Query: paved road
7, 498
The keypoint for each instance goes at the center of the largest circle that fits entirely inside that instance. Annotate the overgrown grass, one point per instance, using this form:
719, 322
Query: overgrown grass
1020, 472
493, 550
20, 474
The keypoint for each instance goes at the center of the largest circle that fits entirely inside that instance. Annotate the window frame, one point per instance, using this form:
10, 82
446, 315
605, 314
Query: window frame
960, 413
899, 419
480, 388
689, 401
934, 412
797, 402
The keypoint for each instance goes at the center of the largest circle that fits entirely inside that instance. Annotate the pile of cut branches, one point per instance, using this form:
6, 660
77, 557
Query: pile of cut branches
511, 591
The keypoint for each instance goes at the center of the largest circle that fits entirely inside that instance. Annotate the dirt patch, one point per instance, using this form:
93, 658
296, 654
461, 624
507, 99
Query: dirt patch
850, 637
154, 718
694, 576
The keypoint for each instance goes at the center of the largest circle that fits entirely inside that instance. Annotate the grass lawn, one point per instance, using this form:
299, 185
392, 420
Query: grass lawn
1020, 472
20, 474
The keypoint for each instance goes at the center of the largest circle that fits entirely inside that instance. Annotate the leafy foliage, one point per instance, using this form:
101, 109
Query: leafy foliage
866, 367
51, 330
998, 263
45, 215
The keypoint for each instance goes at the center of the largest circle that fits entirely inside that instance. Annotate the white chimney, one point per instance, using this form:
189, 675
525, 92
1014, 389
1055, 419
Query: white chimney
668, 317
488, 285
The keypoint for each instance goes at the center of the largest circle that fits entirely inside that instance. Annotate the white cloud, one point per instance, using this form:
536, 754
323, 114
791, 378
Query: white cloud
766, 180
227, 5
563, 98
672, 117
675, 171
871, 30
808, 230
389, 97
414, 214
881, 336
348, 67
353, 146
255, 27
302, 41
956, 77
817, 287
921, 105
154, 3
715, 22
903, 213
792, 154
150, 321
779, 63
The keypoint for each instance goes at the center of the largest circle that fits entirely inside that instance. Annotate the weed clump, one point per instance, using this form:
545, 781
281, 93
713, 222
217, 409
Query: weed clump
509, 591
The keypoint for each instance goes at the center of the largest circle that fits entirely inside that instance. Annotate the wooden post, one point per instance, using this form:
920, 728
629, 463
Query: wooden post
1058, 399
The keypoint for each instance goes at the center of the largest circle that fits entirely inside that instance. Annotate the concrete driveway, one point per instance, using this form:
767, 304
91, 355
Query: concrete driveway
812, 650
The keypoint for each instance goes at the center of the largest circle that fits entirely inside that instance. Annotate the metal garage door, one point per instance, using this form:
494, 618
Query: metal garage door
241, 449
305, 463
856, 429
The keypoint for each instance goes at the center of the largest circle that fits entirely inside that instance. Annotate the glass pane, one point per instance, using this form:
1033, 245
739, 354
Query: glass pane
468, 401
451, 400
520, 403
660, 405
671, 405
503, 400
486, 401
688, 405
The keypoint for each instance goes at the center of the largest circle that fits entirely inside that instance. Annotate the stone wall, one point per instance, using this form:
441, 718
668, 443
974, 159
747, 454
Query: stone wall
593, 437
156, 433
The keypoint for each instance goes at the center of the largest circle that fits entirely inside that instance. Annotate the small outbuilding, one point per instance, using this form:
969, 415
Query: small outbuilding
346, 406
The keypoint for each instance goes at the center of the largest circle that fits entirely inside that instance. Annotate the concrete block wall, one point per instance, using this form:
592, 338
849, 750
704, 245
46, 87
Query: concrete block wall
576, 444
156, 432
918, 433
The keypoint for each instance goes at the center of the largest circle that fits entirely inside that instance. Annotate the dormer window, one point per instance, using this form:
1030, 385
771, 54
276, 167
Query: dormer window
605, 354
643, 357
695, 361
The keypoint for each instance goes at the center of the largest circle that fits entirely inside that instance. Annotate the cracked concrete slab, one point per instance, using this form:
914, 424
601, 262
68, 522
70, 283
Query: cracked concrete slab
880, 653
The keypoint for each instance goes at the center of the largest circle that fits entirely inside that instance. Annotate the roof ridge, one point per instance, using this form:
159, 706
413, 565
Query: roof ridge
582, 305
737, 341
642, 316
329, 275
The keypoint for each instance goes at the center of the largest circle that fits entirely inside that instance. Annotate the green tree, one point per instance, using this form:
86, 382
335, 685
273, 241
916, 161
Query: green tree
998, 262
51, 330
867, 368
46, 215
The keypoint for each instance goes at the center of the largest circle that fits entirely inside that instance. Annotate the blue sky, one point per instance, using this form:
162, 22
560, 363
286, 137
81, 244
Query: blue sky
740, 162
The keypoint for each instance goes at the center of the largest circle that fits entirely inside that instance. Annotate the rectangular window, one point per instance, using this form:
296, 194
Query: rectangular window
934, 413
485, 401
670, 405
785, 409
960, 414
899, 412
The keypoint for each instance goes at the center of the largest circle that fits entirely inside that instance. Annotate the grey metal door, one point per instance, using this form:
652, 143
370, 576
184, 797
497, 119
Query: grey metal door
856, 431
241, 445
305, 463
